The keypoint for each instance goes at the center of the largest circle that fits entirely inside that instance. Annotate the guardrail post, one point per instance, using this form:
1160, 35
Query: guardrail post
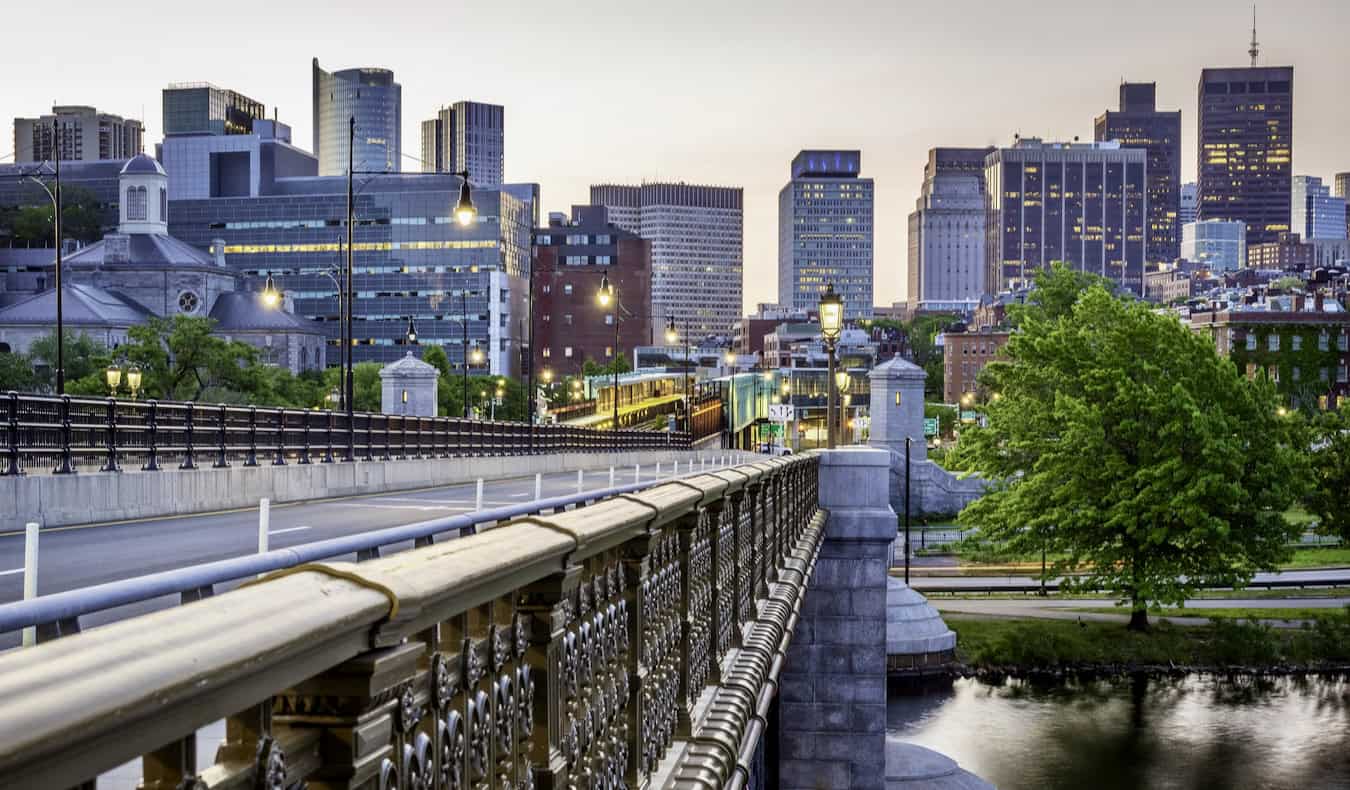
350, 419
304, 451
188, 461
13, 467
538, 485
279, 458
66, 466
152, 458
581, 481
110, 465
694, 533
30, 571
328, 445
222, 460
252, 459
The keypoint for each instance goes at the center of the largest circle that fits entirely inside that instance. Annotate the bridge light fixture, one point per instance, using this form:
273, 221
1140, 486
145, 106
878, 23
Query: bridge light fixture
113, 375
270, 295
465, 211
412, 331
831, 314
671, 335
134, 380
606, 292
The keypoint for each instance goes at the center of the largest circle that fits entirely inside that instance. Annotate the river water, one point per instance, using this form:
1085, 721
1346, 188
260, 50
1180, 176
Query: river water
1190, 733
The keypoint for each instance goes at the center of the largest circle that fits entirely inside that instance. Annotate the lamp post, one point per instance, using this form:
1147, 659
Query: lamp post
831, 325
134, 380
671, 337
842, 382
54, 194
608, 293
908, 440
113, 375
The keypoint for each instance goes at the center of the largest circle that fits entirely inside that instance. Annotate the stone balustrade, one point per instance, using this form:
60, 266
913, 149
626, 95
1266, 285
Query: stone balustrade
629, 644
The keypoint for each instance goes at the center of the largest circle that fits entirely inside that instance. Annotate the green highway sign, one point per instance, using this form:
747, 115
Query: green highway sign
930, 426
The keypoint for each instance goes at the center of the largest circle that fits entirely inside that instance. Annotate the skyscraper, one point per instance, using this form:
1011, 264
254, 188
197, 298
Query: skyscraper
1246, 148
376, 102
85, 135
1315, 213
1082, 203
947, 231
1139, 124
1343, 191
825, 232
203, 108
467, 136
1190, 203
697, 236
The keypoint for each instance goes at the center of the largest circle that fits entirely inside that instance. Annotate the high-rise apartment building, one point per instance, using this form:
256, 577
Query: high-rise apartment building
825, 232
947, 233
1190, 203
1343, 191
570, 257
467, 136
194, 108
369, 95
1314, 212
1218, 244
697, 235
1246, 148
1082, 203
81, 134
1139, 124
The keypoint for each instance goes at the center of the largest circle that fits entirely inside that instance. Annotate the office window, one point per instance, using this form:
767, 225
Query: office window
1273, 342
1323, 341
567, 288
1251, 341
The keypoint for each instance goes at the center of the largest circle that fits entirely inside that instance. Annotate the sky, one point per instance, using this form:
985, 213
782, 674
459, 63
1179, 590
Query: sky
703, 91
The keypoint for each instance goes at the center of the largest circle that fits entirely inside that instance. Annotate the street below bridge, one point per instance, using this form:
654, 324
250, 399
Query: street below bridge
75, 557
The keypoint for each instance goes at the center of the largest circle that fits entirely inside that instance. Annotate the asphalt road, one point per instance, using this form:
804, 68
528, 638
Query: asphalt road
79, 556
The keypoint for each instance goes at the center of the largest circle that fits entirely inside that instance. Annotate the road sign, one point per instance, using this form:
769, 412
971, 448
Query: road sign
782, 412
930, 426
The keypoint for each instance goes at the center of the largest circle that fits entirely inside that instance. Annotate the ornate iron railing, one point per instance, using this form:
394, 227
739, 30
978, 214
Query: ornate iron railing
570, 650
65, 433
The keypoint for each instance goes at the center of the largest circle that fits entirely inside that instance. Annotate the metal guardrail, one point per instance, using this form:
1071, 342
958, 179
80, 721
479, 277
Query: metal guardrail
57, 615
64, 433
562, 650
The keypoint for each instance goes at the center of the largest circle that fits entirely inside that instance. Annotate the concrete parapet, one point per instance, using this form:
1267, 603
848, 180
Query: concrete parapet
62, 500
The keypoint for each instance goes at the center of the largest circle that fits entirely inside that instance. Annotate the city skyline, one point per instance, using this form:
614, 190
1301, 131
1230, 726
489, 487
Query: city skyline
700, 111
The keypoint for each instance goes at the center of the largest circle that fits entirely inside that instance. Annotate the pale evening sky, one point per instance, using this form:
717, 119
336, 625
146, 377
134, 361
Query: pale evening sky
721, 92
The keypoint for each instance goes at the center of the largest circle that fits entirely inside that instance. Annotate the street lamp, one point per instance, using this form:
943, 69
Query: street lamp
134, 380
604, 296
113, 375
672, 337
465, 211
412, 331
270, 295
831, 326
841, 382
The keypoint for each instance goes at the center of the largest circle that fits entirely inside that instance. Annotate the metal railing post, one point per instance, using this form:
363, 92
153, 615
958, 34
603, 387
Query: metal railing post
304, 451
328, 448
221, 440
252, 459
66, 466
188, 461
13, 467
110, 465
279, 457
152, 461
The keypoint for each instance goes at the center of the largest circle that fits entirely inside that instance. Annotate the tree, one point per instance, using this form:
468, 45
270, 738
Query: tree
85, 362
1123, 443
16, 373
1329, 498
1056, 292
592, 368
80, 218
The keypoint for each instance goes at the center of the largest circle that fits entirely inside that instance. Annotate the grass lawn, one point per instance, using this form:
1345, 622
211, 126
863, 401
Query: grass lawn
1219, 595
1235, 613
1046, 644
1333, 556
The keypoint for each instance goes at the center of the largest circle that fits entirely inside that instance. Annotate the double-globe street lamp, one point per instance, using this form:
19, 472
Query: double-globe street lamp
831, 326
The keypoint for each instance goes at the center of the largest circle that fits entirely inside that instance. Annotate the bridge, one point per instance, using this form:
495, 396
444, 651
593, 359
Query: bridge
723, 629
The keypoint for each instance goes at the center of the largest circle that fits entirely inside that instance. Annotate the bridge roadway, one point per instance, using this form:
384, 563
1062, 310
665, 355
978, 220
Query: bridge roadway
79, 556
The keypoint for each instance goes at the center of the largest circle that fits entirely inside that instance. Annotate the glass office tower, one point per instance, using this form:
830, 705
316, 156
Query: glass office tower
1139, 124
1246, 148
825, 233
203, 108
376, 102
1082, 203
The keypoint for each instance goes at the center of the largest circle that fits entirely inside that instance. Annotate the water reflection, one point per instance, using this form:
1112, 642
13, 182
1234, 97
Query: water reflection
1189, 733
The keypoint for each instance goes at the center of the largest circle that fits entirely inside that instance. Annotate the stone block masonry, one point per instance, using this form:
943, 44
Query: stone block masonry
832, 695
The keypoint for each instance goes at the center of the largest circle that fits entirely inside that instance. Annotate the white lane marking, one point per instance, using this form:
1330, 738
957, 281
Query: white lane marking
288, 529
426, 501
400, 507
523, 495
11, 573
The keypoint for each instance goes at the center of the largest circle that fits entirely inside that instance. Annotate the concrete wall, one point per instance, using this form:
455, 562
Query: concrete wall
60, 500
935, 490
832, 692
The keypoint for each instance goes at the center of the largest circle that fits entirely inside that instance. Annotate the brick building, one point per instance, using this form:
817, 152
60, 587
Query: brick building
964, 355
1287, 253
570, 257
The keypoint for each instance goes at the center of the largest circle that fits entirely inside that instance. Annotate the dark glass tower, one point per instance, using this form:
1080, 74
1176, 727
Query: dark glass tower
376, 102
1246, 148
1139, 124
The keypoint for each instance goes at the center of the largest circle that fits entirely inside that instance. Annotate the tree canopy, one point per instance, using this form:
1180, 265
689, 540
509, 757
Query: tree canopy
1123, 444
1329, 498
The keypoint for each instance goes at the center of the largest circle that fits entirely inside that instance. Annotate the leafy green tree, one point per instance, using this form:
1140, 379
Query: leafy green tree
922, 332
16, 373
365, 383
80, 218
592, 368
85, 362
1056, 292
1126, 447
1329, 499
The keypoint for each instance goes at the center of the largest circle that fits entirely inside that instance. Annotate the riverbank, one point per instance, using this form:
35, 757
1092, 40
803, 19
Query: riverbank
1005, 646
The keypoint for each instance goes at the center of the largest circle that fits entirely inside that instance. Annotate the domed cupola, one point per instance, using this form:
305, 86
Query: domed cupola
143, 197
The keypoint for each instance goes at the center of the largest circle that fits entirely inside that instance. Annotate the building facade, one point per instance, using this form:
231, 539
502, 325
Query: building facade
1246, 148
467, 136
570, 257
1343, 191
412, 261
80, 134
825, 233
964, 355
1082, 203
1221, 245
697, 235
1190, 205
233, 165
193, 108
1287, 253
369, 95
1315, 213
947, 232
1139, 124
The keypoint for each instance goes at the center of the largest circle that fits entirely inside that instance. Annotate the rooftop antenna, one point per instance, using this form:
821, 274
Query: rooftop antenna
1255, 48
